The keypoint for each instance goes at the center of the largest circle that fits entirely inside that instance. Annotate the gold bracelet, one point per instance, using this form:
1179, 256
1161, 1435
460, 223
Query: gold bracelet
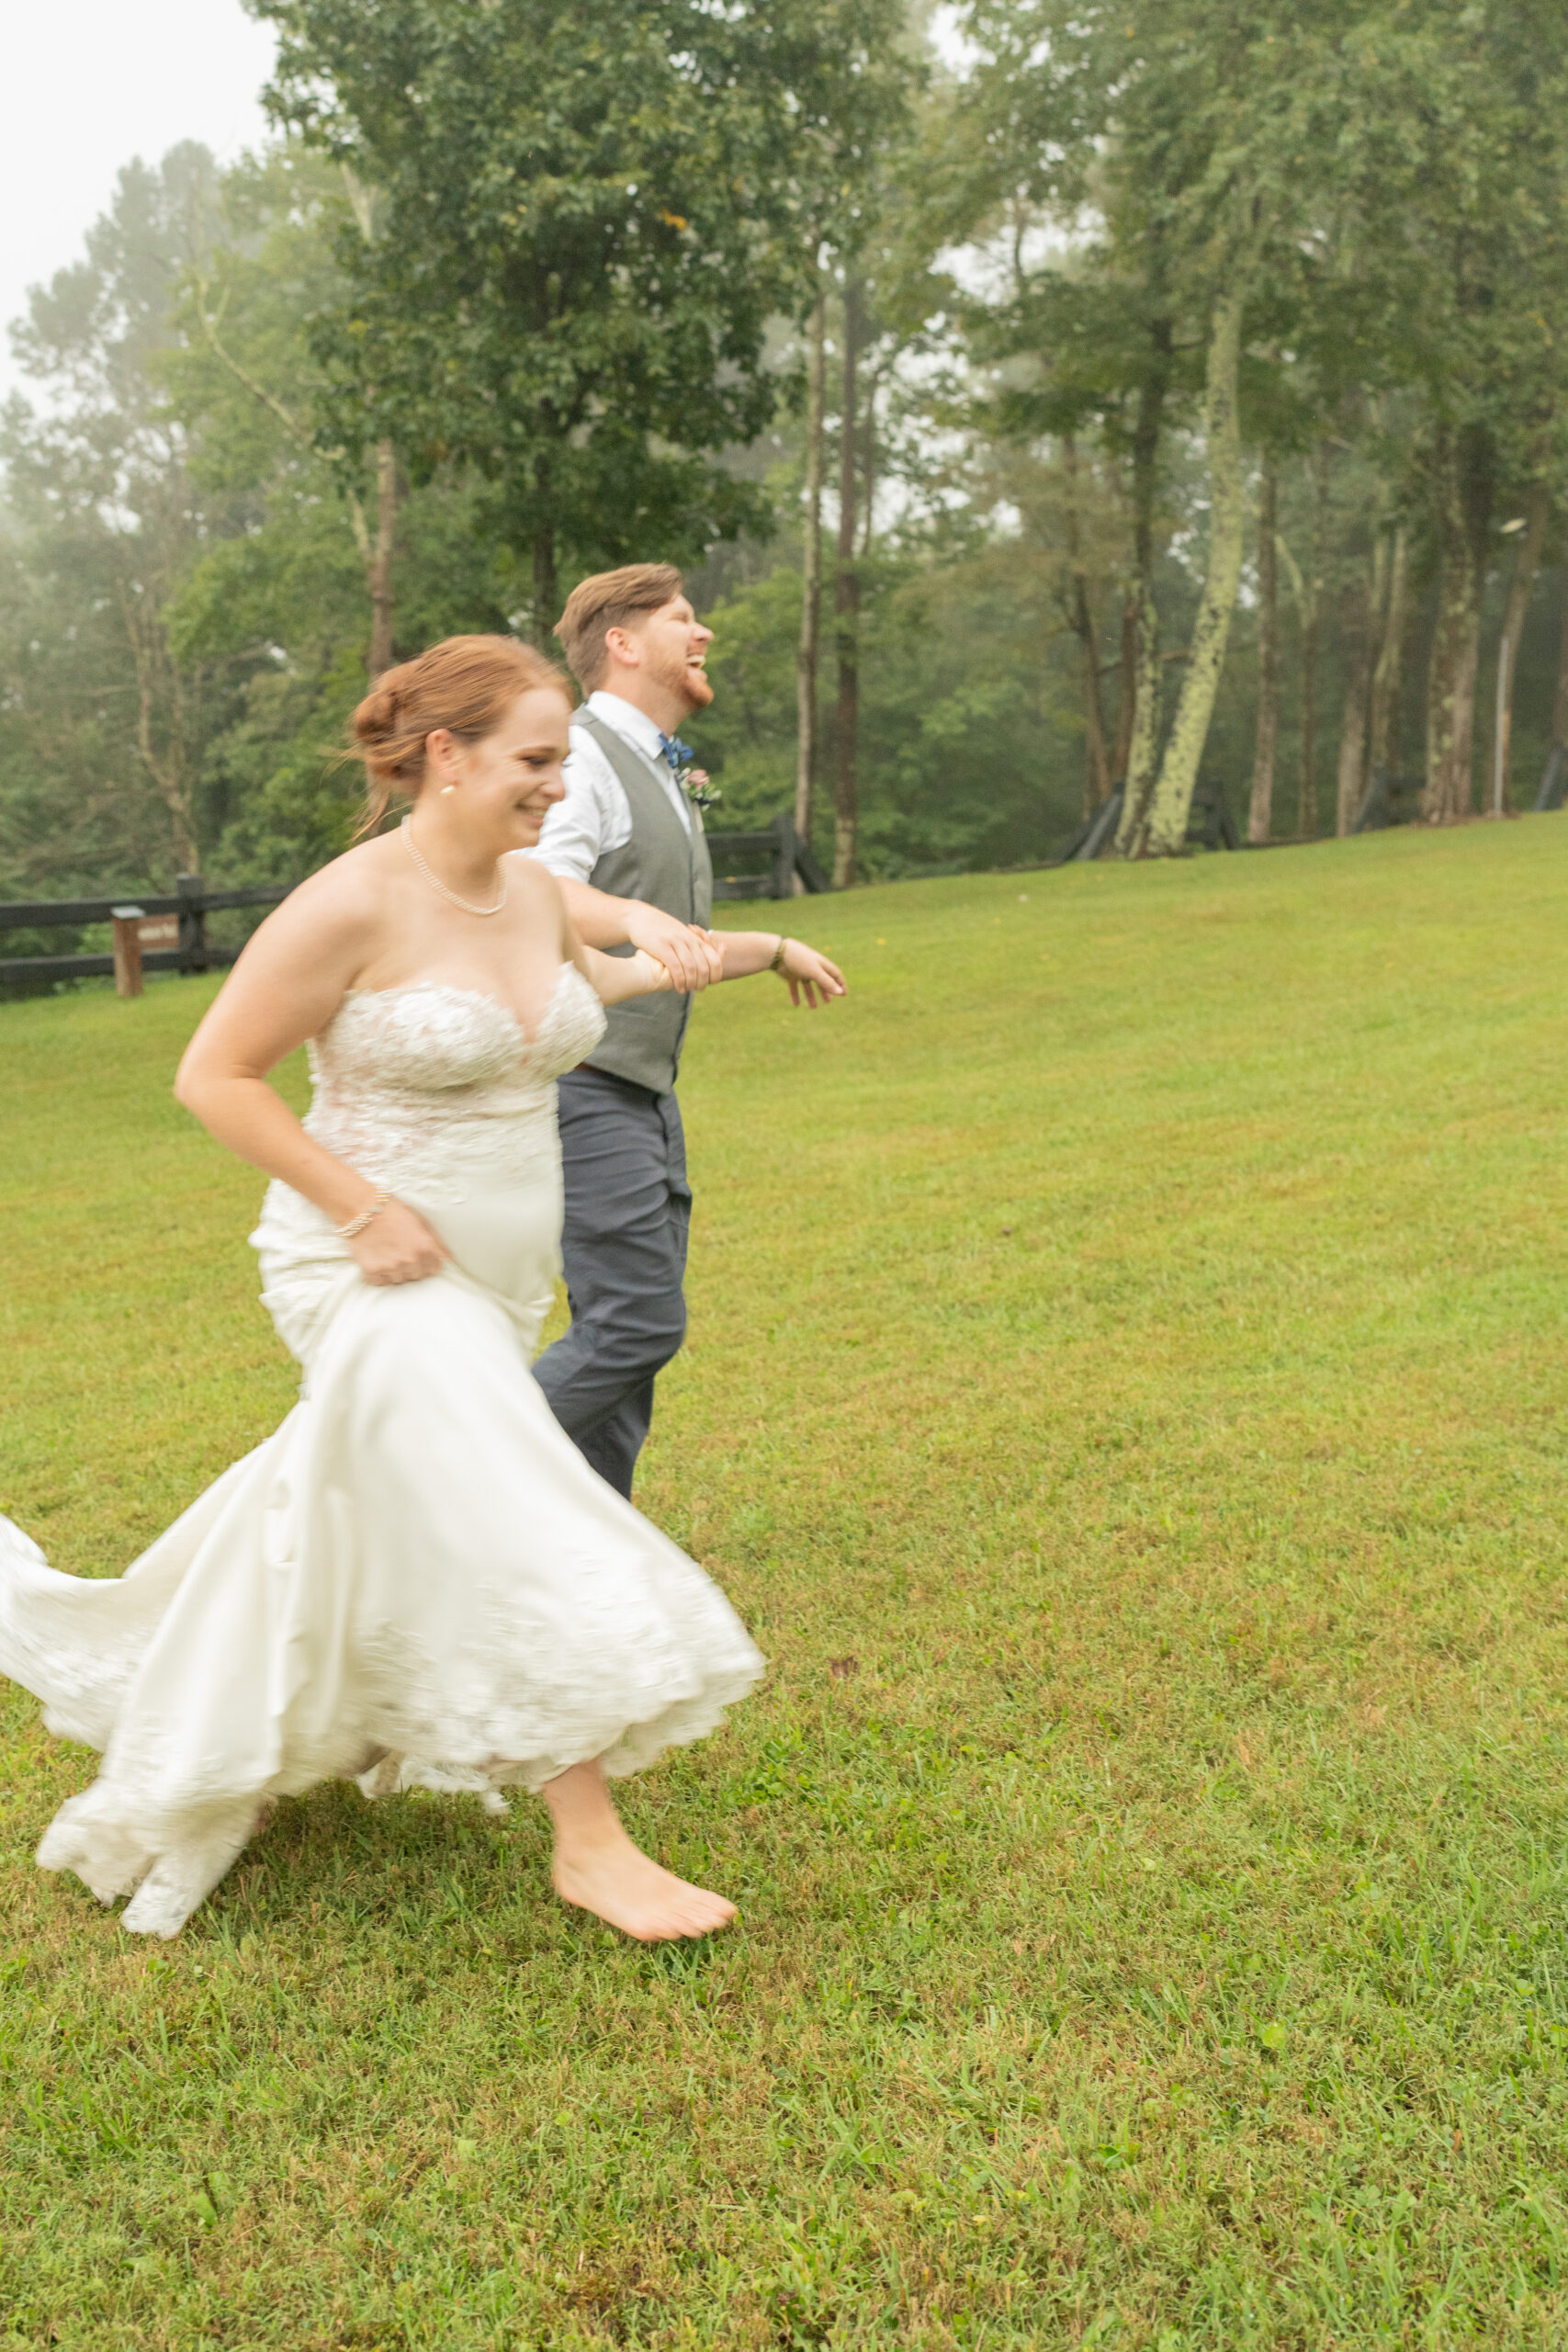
357, 1224
778, 962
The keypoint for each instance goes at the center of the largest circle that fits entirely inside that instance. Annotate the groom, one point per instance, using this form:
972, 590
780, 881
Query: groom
626, 845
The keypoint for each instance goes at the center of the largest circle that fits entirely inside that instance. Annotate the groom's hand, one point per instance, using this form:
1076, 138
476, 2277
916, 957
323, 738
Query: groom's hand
689, 956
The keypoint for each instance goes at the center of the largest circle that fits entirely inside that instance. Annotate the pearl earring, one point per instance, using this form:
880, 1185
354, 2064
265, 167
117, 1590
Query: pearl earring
446, 788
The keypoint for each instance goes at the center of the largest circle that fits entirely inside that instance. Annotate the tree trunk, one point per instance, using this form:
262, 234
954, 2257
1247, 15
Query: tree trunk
868, 458
811, 572
547, 591
1097, 773
379, 570
161, 735
1260, 816
1143, 734
846, 610
1312, 630
1464, 512
1361, 606
1127, 689
1390, 666
1560, 700
1536, 512
1165, 832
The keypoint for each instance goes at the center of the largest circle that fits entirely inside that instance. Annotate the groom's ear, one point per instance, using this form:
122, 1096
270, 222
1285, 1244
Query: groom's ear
625, 646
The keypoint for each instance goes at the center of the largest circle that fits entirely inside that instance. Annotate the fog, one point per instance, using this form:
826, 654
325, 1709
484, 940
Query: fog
93, 83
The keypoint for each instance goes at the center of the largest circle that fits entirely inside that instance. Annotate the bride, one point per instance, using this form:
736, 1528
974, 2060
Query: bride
418, 1580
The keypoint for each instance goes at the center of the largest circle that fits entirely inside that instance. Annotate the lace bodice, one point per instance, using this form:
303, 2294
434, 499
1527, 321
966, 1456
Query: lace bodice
437, 1091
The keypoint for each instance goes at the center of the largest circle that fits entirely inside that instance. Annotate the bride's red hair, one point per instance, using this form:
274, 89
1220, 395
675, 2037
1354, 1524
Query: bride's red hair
464, 684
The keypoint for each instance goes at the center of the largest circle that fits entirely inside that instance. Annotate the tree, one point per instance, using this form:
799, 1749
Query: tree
106, 522
328, 566
1455, 195
847, 597
1160, 825
585, 221
811, 567
1177, 150
1260, 809
1533, 522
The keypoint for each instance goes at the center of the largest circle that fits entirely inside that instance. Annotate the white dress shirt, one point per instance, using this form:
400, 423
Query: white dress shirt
595, 816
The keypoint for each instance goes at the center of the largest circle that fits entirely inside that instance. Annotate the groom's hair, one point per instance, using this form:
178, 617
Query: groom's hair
611, 600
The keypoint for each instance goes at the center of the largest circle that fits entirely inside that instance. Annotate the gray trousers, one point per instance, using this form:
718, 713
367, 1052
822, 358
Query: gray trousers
628, 1209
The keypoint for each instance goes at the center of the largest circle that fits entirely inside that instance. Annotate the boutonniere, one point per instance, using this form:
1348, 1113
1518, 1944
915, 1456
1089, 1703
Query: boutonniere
695, 784
692, 781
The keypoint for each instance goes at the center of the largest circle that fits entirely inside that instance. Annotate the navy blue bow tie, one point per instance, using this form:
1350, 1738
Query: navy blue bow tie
680, 755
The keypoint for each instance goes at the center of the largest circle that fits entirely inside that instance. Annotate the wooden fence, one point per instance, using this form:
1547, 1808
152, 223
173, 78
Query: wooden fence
772, 864
155, 934
169, 934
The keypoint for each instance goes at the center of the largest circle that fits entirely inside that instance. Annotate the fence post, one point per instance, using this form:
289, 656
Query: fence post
189, 890
126, 921
783, 858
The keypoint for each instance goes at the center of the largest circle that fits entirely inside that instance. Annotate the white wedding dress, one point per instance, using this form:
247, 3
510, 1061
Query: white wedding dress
418, 1580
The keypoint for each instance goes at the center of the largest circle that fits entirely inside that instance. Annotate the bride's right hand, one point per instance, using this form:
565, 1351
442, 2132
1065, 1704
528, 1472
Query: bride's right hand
397, 1246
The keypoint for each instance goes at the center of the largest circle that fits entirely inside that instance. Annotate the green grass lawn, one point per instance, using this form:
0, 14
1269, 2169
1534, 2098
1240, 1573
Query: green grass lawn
1125, 1398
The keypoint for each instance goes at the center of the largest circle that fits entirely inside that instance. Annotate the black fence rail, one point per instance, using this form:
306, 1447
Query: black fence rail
142, 929
772, 864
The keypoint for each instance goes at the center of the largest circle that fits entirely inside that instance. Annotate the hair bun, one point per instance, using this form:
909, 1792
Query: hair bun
376, 717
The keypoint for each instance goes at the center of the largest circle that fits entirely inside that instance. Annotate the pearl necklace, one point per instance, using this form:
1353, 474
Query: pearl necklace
437, 883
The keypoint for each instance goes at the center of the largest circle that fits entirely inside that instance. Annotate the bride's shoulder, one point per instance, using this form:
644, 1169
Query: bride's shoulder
536, 885
352, 886
342, 905
528, 870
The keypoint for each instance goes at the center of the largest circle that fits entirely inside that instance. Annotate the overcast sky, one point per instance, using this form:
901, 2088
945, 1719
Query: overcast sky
94, 82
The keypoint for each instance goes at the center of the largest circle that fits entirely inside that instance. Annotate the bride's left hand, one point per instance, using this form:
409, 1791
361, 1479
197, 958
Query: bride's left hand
397, 1246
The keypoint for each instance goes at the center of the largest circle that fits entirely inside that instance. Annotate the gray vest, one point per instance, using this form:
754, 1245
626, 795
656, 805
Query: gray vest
666, 867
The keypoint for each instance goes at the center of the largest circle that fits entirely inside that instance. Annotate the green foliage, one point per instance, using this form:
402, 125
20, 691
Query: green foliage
1339, 169
576, 229
538, 275
969, 737
100, 759
1124, 1397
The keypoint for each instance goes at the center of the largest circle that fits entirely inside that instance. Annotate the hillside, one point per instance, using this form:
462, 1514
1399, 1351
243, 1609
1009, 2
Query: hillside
1125, 1398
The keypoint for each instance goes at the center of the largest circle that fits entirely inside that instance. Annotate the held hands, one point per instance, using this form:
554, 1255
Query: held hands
397, 1246
690, 958
649, 976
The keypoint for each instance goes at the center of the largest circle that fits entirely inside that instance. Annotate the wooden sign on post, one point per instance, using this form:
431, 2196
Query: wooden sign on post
133, 930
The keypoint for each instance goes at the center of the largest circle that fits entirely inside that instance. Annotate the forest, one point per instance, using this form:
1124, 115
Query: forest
1043, 399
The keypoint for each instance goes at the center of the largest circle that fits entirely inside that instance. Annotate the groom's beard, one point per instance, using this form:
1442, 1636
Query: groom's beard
690, 683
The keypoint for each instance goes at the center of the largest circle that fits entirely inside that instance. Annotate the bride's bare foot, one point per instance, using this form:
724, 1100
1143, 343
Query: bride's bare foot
597, 1867
636, 1896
